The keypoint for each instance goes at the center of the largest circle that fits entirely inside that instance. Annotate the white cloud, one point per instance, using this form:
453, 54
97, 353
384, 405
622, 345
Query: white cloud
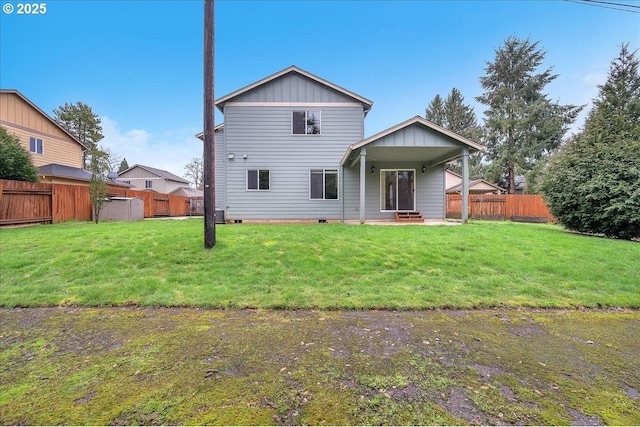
169, 150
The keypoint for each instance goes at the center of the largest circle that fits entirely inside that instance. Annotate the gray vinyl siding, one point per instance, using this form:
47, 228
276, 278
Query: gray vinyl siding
263, 135
221, 170
293, 88
430, 197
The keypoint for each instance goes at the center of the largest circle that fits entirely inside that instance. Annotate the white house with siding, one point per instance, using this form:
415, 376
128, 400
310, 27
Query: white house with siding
292, 147
147, 178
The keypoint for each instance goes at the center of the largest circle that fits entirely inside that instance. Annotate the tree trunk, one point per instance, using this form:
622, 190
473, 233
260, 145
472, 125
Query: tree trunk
511, 178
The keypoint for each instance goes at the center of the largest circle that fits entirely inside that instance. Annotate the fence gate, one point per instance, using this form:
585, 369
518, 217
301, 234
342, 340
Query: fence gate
161, 206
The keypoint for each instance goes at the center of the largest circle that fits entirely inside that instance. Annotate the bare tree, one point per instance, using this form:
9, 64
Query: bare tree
111, 159
194, 172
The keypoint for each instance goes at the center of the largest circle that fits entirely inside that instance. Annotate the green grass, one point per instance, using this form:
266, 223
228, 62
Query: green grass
327, 266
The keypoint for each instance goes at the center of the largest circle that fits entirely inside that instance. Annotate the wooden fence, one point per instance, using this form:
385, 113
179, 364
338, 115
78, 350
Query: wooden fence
514, 207
34, 202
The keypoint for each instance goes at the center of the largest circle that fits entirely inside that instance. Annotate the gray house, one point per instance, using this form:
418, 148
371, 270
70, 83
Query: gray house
292, 147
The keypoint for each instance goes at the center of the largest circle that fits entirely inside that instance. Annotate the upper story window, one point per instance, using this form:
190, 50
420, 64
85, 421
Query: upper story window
148, 184
323, 184
305, 122
258, 179
35, 145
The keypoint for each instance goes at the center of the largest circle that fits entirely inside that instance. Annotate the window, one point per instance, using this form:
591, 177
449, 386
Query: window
305, 122
148, 184
323, 184
258, 179
35, 145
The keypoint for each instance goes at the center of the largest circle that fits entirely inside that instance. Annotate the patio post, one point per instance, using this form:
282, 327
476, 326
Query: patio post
363, 171
465, 184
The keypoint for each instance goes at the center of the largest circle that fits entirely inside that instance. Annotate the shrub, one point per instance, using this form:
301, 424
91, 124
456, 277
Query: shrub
15, 160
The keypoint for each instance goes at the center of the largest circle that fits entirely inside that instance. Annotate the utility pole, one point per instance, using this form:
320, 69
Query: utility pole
209, 175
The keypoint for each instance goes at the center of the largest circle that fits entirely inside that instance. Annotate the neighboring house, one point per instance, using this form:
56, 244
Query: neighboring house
453, 185
148, 178
56, 153
292, 147
59, 174
47, 142
188, 192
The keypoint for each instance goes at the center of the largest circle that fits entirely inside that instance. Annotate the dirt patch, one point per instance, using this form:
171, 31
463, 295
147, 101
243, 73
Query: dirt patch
125, 366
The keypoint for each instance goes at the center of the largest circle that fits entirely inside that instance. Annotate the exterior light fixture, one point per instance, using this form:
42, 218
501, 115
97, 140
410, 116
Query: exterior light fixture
373, 169
424, 169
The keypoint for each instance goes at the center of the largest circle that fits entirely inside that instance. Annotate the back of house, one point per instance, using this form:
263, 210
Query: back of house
292, 147
278, 153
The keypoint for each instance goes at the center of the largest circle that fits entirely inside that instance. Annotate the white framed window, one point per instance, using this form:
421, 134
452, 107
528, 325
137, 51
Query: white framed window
148, 184
258, 179
305, 122
323, 184
35, 145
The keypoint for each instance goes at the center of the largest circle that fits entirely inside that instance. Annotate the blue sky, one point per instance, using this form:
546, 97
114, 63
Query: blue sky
139, 64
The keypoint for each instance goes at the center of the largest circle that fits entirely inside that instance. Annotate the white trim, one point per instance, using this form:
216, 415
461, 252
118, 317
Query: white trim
36, 139
407, 123
383, 191
305, 105
288, 70
246, 183
324, 177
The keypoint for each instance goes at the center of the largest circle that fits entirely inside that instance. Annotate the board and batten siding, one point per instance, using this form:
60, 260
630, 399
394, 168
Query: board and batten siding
24, 121
263, 135
415, 135
407, 143
293, 87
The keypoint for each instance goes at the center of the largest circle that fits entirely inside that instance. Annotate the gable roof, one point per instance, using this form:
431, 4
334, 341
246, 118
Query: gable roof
188, 191
474, 146
157, 172
293, 69
215, 129
35, 107
63, 171
473, 183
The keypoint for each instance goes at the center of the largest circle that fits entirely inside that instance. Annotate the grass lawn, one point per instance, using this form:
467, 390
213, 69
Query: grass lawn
326, 266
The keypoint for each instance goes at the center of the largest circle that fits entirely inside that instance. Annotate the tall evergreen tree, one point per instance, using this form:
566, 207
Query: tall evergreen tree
592, 184
616, 110
455, 115
521, 124
435, 111
123, 166
80, 121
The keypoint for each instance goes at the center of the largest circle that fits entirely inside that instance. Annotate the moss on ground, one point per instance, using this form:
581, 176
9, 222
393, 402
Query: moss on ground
124, 366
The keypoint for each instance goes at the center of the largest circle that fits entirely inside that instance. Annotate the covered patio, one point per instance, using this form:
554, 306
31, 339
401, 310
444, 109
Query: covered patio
401, 170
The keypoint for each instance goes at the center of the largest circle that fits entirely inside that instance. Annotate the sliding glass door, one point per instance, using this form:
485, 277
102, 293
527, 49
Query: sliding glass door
397, 189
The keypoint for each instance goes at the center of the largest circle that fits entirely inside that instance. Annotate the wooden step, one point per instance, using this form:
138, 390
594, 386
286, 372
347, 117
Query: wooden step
410, 216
